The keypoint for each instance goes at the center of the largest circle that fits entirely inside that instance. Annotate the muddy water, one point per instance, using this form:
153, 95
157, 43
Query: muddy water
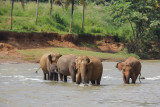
21, 87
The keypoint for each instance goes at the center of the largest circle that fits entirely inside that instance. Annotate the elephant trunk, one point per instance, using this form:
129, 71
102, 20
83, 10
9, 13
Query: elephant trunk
84, 75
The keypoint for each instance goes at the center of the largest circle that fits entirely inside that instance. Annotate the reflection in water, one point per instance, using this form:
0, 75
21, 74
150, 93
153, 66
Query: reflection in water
21, 86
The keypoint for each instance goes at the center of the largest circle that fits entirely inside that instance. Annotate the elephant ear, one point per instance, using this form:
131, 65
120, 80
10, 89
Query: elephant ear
74, 65
88, 60
78, 61
119, 66
50, 58
90, 63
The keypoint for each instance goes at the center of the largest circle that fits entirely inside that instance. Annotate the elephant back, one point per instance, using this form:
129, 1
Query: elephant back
64, 63
135, 64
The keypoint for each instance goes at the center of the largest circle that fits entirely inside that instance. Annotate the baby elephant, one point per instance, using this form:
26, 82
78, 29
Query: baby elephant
53, 72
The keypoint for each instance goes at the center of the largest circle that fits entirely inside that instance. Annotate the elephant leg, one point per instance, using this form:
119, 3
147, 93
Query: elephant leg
56, 76
52, 76
73, 78
61, 77
133, 78
99, 80
44, 76
124, 78
93, 82
49, 75
65, 78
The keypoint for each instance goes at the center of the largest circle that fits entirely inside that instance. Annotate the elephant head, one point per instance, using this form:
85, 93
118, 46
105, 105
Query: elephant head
53, 68
126, 69
53, 58
119, 66
53, 73
84, 68
128, 72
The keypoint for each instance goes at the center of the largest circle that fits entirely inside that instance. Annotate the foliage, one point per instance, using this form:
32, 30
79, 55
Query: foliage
24, 19
143, 17
135, 22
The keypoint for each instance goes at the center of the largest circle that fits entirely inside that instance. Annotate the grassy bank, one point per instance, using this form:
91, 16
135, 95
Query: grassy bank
97, 19
35, 54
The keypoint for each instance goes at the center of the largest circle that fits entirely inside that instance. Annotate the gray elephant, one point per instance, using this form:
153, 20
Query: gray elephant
46, 61
88, 69
67, 66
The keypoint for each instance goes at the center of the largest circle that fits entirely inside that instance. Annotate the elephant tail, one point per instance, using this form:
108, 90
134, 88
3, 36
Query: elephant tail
140, 77
38, 70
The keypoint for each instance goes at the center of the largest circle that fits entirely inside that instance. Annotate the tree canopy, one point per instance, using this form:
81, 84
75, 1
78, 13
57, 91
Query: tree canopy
143, 16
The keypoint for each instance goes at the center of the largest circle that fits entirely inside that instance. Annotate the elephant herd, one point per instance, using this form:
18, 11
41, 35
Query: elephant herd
84, 69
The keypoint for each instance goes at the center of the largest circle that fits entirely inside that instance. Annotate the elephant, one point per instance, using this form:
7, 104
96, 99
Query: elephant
67, 66
46, 61
88, 69
130, 68
53, 71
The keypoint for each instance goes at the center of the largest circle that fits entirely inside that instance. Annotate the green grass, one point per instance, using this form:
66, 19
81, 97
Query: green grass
97, 19
35, 54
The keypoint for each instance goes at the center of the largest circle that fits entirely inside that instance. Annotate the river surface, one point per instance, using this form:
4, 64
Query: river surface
20, 86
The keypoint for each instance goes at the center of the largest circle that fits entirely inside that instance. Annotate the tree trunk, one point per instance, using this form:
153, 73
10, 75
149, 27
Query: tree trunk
51, 9
37, 10
22, 2
71, 16
83, 19
12, 13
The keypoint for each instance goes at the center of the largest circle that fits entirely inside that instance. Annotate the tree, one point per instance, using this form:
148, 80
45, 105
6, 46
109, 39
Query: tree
72, 2
22, 2
37, 11
12, 13
50, 9
84, 6
142, 16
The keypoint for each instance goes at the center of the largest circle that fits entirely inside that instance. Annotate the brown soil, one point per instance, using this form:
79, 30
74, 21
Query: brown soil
9, 54
10, 41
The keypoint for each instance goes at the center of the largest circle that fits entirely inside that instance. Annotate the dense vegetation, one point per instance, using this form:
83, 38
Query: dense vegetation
135, 22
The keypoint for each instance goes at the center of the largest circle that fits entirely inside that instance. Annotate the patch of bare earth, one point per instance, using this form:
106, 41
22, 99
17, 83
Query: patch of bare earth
68, 44
8, 54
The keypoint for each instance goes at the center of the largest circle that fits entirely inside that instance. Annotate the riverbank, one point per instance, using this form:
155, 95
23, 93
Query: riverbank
29, 47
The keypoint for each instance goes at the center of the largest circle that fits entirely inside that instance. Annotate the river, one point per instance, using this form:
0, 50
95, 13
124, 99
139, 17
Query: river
20, 86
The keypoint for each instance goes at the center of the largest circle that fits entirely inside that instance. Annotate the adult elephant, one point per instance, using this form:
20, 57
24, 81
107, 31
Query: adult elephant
88, 69
46, 61
130, 68
67, 66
